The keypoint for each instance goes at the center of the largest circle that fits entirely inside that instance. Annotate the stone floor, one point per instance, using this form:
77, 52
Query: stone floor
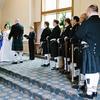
30, 81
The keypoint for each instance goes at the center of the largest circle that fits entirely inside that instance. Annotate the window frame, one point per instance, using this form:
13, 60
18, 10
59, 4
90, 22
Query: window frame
56, 10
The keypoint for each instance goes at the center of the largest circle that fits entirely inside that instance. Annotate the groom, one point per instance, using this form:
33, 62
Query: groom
16, 33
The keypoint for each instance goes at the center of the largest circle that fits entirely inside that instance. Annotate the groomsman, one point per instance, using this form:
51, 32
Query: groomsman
75, 26
65, 44
81, 84
45, 43
90, 33
16, 33
74, 39
55, 34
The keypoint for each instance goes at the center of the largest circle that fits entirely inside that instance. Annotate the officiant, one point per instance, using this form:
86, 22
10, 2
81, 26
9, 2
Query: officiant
31, 39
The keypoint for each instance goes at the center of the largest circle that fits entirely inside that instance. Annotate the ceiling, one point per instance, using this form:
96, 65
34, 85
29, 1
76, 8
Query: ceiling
1, 3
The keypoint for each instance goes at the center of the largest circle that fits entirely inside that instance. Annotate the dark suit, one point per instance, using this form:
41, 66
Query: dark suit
17, 33
90, 33
72, 33
76, 43
55, 34
65, 33
31, 38
45, 45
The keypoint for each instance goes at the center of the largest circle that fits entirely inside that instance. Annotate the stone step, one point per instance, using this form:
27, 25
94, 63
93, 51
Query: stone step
20, 87
32, 90
8, 93
33, 87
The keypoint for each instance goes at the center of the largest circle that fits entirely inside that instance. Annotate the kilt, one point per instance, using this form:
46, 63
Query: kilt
77, 55
68, 48
46, 47
61, 49
91, 61
64, 48
17, 45
54, 48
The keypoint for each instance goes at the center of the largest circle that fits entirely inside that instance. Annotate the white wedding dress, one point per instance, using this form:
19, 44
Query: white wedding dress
6, 52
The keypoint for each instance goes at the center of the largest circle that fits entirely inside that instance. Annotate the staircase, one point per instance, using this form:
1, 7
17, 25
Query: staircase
33, 87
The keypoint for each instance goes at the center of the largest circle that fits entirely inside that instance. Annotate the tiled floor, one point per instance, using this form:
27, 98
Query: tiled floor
46, 78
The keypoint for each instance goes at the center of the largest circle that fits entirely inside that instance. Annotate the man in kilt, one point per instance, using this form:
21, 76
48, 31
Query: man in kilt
65, 45
74, 56
74, 39
81, 83
55, 34
16, 33
45, 44
90, 34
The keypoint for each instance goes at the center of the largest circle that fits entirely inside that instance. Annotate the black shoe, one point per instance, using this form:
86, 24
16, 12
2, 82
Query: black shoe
54, 68
65, 72
48, 64
21, 62
57, 68
61, 71
84, 95
95, 94
14, 62
43, 65
75, 86
82, 88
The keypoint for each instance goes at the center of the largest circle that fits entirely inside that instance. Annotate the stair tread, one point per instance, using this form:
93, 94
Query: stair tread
46, 94
7, 93
32, 71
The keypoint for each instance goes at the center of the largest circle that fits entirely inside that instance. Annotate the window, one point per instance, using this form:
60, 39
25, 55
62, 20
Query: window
50, 18
48, 5
54, 9
66, 14
65, 3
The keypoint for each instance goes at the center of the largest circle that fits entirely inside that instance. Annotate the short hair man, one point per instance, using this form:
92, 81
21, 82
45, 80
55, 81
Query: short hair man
90, 33
16, 33
55, 34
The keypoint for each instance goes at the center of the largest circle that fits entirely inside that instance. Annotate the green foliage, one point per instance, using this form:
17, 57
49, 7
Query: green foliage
62, 19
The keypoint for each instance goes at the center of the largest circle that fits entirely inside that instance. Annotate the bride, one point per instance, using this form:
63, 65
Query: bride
5, 53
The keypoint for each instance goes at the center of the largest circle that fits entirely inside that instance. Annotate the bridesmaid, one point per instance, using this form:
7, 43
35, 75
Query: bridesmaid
1, 38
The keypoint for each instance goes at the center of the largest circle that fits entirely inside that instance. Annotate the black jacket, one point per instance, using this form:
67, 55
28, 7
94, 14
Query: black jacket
66, 32
90, 33
55, 33
30, 37
46, 32
16, 33
74, 30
